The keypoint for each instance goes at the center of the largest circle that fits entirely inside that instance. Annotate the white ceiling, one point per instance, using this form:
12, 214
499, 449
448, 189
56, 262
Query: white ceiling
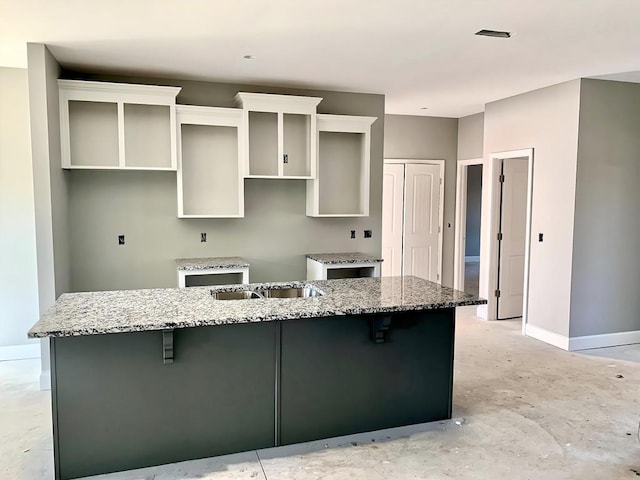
419, 53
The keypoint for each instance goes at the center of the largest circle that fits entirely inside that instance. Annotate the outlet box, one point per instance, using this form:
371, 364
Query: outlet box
203, 237
120, 239
353, 234
367, 234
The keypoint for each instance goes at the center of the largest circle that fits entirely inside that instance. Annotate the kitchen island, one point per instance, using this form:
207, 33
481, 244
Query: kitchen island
147, 377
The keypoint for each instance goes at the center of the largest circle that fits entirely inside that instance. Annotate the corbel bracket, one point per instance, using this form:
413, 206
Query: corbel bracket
379, 326
167, 346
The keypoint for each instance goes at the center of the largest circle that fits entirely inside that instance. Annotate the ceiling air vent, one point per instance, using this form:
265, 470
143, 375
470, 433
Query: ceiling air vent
494, 33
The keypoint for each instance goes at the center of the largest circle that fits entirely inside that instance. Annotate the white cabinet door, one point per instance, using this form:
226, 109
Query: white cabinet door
422, 209
392, 219
512, 245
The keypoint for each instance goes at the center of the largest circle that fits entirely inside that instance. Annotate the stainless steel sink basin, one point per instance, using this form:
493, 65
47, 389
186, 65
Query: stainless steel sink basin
238, 295
300, 292
306, 291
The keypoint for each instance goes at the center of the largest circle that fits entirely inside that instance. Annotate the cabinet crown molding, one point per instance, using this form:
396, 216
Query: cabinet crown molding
118, 88
344, 123
221, 116
266, 102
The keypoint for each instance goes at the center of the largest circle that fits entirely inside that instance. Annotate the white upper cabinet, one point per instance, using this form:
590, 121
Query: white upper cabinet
117, 126
210, 177
279, 135
341, 188
114, 126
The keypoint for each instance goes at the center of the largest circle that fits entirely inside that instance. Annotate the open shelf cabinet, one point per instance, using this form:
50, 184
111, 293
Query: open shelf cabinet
341, 188
210, 179
114, 126
279, 135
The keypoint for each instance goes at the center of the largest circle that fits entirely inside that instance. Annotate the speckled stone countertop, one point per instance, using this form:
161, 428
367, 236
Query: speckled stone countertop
213, 263
93, 313
337, 258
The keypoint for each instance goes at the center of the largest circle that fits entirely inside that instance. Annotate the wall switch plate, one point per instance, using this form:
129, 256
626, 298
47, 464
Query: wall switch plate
203, 237
120, 239
367, 234
353, 234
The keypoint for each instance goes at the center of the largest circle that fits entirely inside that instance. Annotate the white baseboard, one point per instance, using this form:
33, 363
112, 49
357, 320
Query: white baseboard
604, 340
45, 380
546, 336
482, 312
20, 352
472, 258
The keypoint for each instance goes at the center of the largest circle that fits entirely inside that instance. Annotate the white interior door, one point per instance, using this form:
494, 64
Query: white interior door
512, 246
422, 212
392, 218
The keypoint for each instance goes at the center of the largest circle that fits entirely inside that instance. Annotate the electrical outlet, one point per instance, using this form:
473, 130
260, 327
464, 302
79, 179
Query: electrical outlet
367, 234
120, 239
353, 234
540, 237
203, 237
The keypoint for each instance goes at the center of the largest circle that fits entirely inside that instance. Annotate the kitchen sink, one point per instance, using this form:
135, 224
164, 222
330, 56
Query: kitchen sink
306, 291
238, 295
290, 292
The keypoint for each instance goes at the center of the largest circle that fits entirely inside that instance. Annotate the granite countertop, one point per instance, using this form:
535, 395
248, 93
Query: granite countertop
338, 258
211, 263
93, 313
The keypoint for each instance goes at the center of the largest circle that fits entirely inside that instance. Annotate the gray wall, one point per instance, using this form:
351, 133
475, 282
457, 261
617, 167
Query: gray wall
274, 236
474, 210
470, 136
59, 182
432, 138
547, 121
606, 267
19, 281
50, 181
50, 186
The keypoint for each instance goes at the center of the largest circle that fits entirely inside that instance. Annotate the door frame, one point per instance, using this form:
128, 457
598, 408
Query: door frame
441, 164
461, 220
490, 224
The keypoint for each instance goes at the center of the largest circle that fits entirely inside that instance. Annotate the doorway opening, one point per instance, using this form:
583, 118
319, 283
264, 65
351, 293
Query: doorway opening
468, 223
492, 282
412, 215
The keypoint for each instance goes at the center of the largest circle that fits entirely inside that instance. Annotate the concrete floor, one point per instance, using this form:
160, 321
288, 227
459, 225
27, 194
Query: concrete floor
522, 410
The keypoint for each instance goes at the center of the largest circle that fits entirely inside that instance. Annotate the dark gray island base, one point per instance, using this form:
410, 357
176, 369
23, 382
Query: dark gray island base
134, 399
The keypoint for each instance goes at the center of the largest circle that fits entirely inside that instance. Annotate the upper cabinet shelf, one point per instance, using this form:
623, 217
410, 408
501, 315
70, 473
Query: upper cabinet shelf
279, 135
341, 188
114, 126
